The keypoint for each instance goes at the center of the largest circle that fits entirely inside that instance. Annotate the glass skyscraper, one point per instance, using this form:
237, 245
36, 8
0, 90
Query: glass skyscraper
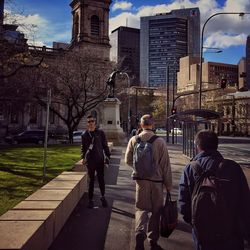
165, 38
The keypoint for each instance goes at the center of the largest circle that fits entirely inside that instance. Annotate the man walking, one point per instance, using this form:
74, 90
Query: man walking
94, 146
214, 198
149, 189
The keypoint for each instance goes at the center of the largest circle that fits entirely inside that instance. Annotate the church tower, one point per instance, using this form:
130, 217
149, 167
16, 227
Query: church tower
91, 25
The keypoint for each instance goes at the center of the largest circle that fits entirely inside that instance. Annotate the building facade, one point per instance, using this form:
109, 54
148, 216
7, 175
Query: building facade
164, 39
212, 74
125, 50
89, 33
242, 74
248, 62
90, 29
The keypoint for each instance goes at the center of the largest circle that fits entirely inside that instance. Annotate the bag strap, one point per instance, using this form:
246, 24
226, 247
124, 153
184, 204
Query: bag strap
197, 167
152, 139
92, 140
199, 170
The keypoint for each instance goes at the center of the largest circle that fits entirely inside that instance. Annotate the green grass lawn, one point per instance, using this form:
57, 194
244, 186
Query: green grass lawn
21, 170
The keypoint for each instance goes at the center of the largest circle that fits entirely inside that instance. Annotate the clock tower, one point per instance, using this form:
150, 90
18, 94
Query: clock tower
90, 28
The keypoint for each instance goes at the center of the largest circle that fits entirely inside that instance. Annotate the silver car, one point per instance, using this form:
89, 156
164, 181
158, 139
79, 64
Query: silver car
77, 136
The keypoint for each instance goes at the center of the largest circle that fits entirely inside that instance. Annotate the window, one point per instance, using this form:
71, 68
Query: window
33, 114
95, 26
14, 115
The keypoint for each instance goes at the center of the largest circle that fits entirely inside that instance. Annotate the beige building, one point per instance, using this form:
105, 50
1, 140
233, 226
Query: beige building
212, 73
242, 73
232, 104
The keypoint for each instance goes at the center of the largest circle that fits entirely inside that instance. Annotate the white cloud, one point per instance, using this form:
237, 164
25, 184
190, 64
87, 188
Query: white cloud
222, 40
38, 30
226, 30
227, 26
122, 5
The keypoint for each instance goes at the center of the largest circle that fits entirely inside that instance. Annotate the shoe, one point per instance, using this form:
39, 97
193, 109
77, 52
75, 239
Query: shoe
104, 202
139, 242
90, 204
155, 246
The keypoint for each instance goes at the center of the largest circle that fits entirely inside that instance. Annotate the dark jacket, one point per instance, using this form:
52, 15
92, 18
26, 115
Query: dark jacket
238, 195
99, 149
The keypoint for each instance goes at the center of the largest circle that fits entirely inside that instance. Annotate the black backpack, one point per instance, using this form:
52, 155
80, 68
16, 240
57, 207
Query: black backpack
212, 214
143, 161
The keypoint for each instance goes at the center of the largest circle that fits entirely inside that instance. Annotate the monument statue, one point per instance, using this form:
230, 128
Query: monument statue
111, 84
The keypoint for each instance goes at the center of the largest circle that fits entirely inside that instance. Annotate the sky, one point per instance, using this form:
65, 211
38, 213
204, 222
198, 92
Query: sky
51, 21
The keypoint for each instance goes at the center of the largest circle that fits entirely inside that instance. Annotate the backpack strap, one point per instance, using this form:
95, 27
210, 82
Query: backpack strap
152, 139
137, 139
199, 170
197, 167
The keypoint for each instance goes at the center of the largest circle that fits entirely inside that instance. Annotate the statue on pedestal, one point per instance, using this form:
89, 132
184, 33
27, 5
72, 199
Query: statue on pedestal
111, 84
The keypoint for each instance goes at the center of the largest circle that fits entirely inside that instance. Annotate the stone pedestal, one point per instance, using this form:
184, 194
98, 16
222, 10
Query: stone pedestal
111, 121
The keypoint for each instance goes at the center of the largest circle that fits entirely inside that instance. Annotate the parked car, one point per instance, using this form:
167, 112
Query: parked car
177, 131
77, 136
28, 136
160, 131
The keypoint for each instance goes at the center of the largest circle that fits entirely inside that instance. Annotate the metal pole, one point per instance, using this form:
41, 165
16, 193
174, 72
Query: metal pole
167, 104
128, 92
136, 105
201, 47
173, 122
233, 115
46, 134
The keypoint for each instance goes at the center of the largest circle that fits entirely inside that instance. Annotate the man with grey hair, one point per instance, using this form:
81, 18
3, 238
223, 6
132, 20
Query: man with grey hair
149, 191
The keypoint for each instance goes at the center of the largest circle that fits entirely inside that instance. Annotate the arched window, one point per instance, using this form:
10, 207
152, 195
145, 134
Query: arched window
95, 26
76, 26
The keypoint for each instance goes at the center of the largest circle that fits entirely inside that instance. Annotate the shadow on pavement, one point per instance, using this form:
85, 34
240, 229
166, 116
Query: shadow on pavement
86, 228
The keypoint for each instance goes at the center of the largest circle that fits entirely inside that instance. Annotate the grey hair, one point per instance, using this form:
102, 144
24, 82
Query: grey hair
147, 120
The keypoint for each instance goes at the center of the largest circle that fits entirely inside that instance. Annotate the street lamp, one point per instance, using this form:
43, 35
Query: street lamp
241, 14
128, 92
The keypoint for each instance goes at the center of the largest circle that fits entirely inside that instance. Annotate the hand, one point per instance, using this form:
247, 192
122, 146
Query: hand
107, 160
83, 161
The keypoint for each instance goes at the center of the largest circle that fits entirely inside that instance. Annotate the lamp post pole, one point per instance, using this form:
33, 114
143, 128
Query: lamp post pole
128, 92
167, 104
46, 134
201, 48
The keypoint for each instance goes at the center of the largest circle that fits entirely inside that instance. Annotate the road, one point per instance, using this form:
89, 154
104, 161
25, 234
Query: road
235, 148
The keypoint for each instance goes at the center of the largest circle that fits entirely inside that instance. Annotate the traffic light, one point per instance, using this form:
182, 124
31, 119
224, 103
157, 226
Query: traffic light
173, 111
223, 83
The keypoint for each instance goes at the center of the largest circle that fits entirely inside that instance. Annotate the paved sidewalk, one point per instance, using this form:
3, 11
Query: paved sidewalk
112, 228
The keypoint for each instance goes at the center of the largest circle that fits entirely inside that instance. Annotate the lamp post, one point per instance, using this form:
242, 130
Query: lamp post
241, 14
46, 134
128, 92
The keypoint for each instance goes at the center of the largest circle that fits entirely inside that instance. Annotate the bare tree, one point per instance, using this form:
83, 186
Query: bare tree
77, 80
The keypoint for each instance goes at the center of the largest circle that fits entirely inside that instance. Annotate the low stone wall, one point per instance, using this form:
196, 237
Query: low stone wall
35, 222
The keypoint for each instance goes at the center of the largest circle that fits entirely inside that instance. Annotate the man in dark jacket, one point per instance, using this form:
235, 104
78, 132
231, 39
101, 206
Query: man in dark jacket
237, 195
94, 151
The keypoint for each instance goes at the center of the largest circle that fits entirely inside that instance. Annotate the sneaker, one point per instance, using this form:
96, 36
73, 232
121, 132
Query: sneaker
155, 246
139, 242
90, 204
104, 202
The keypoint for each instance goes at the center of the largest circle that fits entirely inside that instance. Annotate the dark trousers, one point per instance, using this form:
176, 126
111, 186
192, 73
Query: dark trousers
99, 170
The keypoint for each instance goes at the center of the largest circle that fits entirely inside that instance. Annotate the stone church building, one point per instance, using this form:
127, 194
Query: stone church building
90, 32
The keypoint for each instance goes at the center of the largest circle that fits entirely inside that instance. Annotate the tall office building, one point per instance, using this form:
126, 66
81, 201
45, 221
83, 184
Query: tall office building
125, 49
165, 38
248, 62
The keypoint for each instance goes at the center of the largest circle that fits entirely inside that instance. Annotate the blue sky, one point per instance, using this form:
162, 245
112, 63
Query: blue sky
228, 32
